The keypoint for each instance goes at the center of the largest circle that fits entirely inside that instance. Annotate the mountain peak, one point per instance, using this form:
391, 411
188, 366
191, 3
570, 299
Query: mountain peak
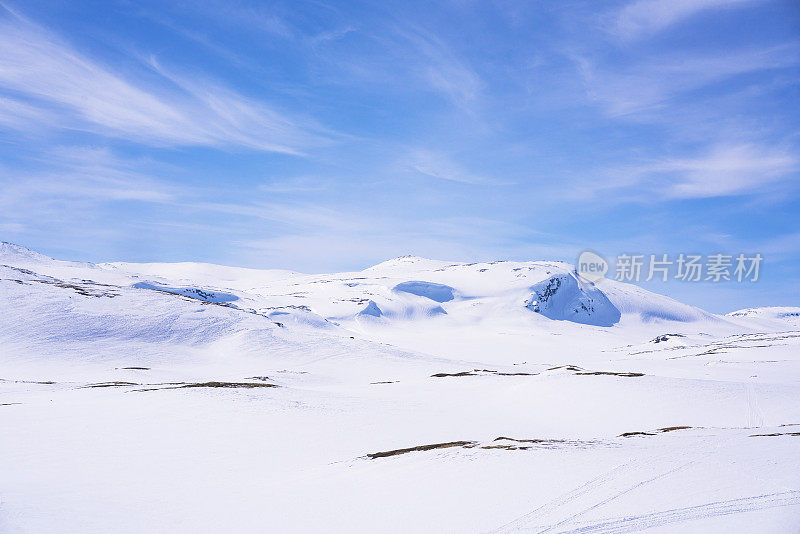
18, 252
416, 262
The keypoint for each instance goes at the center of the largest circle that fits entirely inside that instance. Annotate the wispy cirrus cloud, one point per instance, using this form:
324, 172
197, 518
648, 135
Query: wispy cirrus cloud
256, 17
296, 184
84, 175
49, 83
441, 166
66, 190
643, 18
18, 115
441, 68
332, 246
625, 90
723, 170
727, 170
398, 57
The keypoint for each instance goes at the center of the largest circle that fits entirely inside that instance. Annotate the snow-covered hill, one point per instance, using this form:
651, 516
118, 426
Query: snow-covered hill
790, 315
190, 397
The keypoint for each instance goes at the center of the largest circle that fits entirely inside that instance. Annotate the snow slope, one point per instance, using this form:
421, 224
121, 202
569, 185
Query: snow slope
785, 314
413, 396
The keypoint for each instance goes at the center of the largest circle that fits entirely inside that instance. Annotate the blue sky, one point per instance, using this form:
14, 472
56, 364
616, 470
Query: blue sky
328, 136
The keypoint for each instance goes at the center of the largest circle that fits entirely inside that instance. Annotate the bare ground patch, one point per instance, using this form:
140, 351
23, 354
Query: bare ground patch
653, 432
572, 368
500, 443
429, 447
212, 384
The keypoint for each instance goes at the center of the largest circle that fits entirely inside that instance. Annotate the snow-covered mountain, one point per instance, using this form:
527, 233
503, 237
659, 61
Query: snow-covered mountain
170, 302
16, 253
406, 288
787, 314
197, 397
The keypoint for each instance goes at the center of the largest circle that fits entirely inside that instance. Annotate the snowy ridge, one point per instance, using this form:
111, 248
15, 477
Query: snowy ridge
405, 288
15, 254
789, 315
774, 312
649, 306
206, 295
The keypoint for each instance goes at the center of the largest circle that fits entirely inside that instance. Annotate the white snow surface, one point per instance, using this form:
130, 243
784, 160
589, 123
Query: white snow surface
413, 396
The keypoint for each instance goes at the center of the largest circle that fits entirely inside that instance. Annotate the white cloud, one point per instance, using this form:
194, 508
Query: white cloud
727, 170
362, 240
258, 18
83, 176
647, 17
781, 247
20, 116
297, 184
650, 85
12, 228
64, 88
289, 215
329, 36
438, 165
724, 170
441, 68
